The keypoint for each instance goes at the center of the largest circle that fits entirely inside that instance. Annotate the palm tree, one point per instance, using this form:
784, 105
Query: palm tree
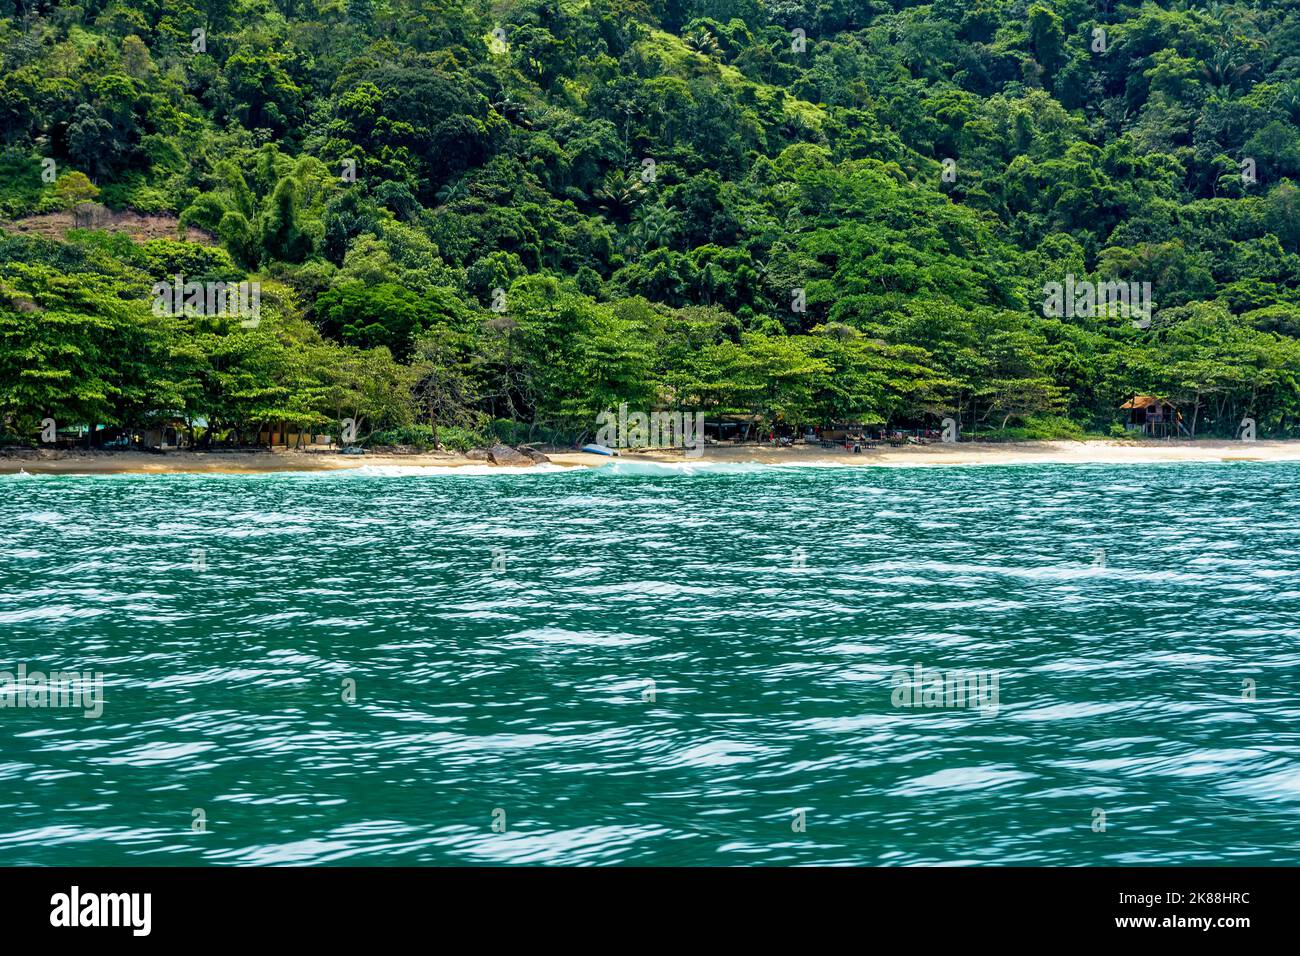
654, 226
453, 191
1225, 67
1289, 101
703, 42
619, 192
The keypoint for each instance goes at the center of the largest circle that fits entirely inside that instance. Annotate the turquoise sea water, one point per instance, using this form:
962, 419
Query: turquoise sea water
502, 631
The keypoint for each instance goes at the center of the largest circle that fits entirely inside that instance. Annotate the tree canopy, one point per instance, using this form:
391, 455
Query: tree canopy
462, 213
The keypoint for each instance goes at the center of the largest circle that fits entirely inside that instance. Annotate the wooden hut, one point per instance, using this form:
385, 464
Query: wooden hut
1152, 416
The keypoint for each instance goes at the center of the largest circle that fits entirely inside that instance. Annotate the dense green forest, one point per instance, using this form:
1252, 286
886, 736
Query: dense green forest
510, 216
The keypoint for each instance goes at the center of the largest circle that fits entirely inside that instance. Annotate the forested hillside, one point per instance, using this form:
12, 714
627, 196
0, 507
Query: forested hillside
510, 216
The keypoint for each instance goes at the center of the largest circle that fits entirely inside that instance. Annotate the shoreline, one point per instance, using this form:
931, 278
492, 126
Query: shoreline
1096, 452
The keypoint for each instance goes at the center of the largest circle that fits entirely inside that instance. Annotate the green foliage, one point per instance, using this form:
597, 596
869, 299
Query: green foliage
21, 188
420, 437
666, 204
73, 188
1046, 428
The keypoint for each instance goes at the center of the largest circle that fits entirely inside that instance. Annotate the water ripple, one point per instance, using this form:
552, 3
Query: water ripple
643, 664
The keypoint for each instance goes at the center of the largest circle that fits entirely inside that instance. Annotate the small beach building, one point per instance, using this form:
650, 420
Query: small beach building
1152, 416
734, 428
164, 435
844, 431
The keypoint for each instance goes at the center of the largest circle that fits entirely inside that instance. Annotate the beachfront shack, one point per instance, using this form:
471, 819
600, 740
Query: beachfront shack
163, 436
733, 428
1152, 416
284, 435
841, 432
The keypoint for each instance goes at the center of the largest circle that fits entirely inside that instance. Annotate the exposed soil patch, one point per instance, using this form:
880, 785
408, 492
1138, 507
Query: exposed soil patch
141, 227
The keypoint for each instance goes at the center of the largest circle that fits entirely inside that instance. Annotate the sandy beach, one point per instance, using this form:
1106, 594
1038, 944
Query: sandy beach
966, 453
